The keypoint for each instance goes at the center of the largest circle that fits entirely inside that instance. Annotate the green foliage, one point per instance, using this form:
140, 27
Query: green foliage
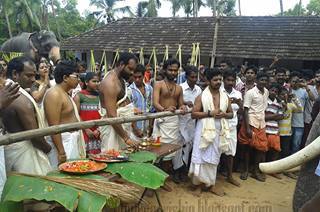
295, 11
313, 7
143, 174
223, 7
32, 15
19, 188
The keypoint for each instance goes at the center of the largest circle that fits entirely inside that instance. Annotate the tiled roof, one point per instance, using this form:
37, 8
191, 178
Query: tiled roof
244, 37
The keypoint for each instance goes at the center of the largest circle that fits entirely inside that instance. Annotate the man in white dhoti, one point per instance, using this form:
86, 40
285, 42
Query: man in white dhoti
187, 125
114, 99
211, 109
59, 108
229, 81
28, 156
168, 96
8, 94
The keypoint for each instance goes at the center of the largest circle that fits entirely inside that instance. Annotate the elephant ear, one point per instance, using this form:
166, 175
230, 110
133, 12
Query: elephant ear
34, 37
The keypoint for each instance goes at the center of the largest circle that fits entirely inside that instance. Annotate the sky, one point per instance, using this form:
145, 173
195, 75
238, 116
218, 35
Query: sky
248, 7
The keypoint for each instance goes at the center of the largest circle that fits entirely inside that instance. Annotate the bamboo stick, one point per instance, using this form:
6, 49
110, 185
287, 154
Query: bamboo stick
215, 39
29, 134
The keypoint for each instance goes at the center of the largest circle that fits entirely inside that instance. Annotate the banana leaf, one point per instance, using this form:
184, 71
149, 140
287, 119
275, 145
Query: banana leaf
64, 175
19, 188
143, 157
142, 174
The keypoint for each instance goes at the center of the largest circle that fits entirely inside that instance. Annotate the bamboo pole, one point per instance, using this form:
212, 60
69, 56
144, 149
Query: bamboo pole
214, 43
29, 134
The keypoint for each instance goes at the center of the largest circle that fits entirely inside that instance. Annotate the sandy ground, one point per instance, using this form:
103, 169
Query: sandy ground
271, 196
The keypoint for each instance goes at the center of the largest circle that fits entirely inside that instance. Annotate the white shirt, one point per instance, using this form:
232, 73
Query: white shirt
235, 107
190, 94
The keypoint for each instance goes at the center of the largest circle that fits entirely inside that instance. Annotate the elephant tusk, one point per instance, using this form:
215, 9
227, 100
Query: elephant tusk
306, 154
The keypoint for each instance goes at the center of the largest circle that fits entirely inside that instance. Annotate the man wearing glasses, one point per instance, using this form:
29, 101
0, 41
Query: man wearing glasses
59, 109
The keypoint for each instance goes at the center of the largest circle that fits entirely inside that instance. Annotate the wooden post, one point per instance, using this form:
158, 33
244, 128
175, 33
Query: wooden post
27, 135
239, 5
214, 43
281, 7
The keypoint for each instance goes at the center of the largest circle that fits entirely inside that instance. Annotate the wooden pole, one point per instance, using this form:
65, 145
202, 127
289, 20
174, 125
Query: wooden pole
281, 7
29, 134
214, 43
239, 5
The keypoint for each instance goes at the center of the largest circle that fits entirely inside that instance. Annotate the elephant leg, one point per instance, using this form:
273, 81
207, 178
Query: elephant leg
308, 184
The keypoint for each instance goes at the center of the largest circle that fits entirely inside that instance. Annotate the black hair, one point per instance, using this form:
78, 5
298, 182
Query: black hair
170, 62
281, 70
253, 68
212, 72
295, 74
64, 68
262, 74
87, 77
125, 57
2, 59
317, 72
275, 85
283, 89
140, 69
229, 73
228, 62
190, 69
82, 64
17, 64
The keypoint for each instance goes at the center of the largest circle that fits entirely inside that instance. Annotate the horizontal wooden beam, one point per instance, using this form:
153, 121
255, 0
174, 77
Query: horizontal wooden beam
52, 130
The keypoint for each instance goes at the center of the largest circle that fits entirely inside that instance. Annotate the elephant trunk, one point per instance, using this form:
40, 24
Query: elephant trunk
306, 154
54, 54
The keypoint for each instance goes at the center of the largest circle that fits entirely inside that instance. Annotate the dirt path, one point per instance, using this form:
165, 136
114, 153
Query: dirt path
271, 196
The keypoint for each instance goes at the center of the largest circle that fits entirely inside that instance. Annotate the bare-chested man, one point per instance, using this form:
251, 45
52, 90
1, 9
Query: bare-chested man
168, 96
114, 98
22, 114
8, 94
59, 108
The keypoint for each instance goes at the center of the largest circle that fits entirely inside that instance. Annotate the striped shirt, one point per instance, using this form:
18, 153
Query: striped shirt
274, 107
286, 124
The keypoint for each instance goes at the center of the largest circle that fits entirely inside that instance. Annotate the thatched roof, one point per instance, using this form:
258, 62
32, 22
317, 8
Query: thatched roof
242, 37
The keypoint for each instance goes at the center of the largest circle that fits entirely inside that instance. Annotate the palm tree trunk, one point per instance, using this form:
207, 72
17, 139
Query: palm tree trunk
281, 7
31, 16
8, 22
300, 7
239, 5
54, 16
214, 8
195, 8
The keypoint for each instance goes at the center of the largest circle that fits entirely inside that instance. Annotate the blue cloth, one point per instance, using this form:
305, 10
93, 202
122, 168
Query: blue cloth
143, 103
297, 134
181, 78
298, 118
318, 170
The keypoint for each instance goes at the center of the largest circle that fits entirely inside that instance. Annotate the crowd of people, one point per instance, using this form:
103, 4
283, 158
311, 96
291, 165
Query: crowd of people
241, 116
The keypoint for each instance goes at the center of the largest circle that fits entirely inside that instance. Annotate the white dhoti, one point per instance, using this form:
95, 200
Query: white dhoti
187, 130
23, 157
204, 161
110, 138
232, 142
70, 142
168, 129
3, 176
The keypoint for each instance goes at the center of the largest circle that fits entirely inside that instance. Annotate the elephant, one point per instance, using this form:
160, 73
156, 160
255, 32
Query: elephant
36, 45
306, 197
